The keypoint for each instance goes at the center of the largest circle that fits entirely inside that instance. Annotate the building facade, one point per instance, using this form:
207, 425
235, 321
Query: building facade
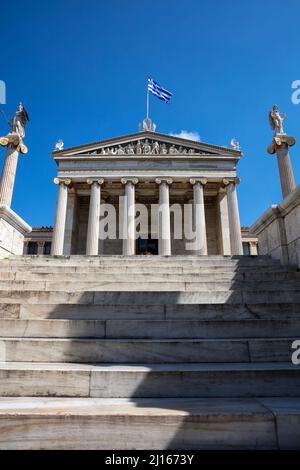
162, 194
249, 242
39, 241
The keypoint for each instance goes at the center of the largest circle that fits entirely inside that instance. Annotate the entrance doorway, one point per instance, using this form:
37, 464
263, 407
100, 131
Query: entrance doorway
146, 246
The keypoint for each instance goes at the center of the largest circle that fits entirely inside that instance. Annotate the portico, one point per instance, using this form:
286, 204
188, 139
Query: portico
179, 192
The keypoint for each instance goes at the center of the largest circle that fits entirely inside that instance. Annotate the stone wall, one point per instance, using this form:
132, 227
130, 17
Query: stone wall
278, 230
12, 232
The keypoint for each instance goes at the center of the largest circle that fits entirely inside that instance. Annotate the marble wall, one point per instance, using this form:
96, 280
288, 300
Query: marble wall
278, 230
12, 232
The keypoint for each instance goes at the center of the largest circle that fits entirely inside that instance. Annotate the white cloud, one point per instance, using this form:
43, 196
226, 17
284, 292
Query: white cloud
188, 135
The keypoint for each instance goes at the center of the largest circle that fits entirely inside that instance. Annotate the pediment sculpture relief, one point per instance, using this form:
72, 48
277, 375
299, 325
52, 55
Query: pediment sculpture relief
146, 147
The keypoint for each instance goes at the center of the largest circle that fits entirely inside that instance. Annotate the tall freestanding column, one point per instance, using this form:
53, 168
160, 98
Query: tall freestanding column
60, 216
199, 215
94, 217
280, 145
8, 176
164, 221
129, 216
234, 217
13, 142
285, 170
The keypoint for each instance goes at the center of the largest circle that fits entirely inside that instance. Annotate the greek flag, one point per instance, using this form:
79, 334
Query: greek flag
159, 91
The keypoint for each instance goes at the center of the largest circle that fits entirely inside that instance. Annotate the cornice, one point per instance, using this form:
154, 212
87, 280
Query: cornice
150, 135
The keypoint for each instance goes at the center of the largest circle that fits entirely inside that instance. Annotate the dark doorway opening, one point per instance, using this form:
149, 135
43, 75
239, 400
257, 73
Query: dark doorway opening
146, 246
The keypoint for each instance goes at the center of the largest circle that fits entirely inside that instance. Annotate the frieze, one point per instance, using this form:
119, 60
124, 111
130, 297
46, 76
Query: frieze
145, 165
147, 147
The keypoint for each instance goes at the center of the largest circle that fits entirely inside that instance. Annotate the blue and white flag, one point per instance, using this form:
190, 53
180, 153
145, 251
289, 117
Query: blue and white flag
159, 91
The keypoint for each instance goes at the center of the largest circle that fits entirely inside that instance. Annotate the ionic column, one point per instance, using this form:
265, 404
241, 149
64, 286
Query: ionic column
164, 221
285, 170
60, 216
199, 215
8, 176
25, 248
94, 217
224, 232
253, 249
41, 245
234, 217
129, 216
70, 237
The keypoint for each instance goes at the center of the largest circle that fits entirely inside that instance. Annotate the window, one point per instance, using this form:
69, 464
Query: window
246, 249
47, 248
32, 248
145, 246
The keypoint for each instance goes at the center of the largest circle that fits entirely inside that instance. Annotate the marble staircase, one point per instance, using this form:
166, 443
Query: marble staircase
148, 352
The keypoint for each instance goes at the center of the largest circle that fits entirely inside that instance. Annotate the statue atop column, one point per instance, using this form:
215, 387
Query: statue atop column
280, 137
280, 145
13, 142
17, 133
276, 120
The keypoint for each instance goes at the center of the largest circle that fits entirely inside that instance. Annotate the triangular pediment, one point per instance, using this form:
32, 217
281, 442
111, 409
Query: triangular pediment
146, 144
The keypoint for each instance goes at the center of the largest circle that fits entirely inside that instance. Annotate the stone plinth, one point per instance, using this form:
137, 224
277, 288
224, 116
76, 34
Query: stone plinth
12, 232
278, 230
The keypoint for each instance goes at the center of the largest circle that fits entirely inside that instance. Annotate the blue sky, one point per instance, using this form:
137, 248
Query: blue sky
81, 68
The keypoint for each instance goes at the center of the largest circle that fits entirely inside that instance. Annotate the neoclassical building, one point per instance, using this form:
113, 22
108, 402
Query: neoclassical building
39, 241
147, 169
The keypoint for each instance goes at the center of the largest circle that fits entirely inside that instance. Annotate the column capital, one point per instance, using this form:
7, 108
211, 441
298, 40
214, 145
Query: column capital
202, 181
235, 180
41, 243
97, 181
126, 180
163, 180
65, 182
222, 190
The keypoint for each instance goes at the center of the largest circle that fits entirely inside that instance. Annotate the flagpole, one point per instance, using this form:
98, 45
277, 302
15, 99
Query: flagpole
147, 101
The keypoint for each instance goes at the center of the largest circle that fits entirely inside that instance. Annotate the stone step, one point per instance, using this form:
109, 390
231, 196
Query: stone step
149, 381
117, 276
112, 294
166, 269
146, 351
163, 423
131, 258
142, 261
151, 312
127, 283
149, 329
